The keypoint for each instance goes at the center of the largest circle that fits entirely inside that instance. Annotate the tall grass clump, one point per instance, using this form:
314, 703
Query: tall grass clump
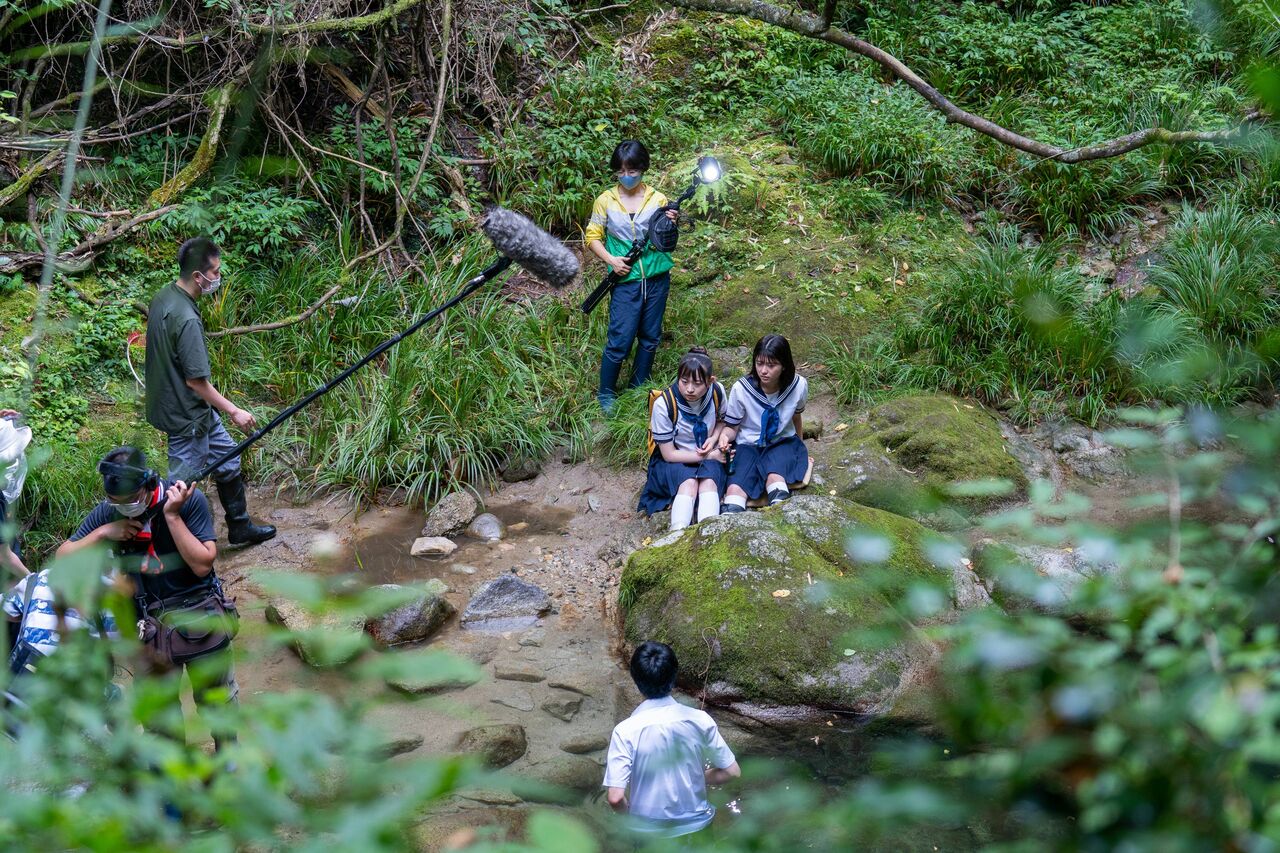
855, 126
495, 377
1218, 285
1007, 326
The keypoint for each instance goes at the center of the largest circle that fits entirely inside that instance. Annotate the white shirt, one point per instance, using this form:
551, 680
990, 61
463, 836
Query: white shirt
747, 404
39, 624
682, 432
660, 751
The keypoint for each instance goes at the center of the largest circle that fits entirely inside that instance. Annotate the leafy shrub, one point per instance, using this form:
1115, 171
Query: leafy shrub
245, 220
1217, 284
1081, 199
556, 161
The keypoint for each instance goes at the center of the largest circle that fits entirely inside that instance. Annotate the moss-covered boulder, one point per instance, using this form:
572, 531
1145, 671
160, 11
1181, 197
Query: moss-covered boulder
909, 451
764, 608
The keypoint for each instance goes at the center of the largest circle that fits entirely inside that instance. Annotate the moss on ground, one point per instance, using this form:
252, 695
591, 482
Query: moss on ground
943, 440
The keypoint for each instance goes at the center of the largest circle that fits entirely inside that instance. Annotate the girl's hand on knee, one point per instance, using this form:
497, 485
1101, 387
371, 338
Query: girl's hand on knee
716, 455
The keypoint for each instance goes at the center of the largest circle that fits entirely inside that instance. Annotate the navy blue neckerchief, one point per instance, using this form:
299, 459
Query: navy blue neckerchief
697, 420
770, 420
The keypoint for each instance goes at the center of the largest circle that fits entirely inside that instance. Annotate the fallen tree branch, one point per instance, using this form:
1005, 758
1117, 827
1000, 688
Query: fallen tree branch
352, 91
205, 154
280, 324
815, 27
24, 181
346, 25
78, 257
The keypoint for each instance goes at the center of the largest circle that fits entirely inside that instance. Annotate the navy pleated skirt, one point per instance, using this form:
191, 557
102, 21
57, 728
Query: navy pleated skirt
665, 479
752, 465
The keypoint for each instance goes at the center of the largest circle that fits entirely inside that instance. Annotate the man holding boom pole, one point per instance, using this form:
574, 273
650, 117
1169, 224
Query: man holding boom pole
181, 399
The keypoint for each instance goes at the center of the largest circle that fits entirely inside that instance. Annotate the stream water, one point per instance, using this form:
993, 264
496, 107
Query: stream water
572, 654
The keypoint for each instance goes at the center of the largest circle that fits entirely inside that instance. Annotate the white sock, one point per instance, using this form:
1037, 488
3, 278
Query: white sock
681, 511
778, 487
708, 505
739, 501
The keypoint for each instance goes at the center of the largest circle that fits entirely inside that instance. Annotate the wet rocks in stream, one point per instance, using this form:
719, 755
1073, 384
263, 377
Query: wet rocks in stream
515, 698
586, 743
517, 672
497, 746
487, 527
415, 621
564, 706
433, 546
563, 779
320, 640
451, 515
504, 603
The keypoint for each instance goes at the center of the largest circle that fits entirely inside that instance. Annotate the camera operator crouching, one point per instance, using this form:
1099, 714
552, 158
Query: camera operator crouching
161, 535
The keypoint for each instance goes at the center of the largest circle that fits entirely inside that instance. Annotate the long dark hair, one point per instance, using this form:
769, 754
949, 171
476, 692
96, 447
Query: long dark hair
696, 365
776, 348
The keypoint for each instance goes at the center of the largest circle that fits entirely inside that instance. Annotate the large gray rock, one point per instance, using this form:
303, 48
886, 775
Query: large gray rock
564, 779
586, 743
505, 602
487, 527
520, 468
564, 706
1035, 577
451, 514
415, 621
497, 746
769, 605
1083, 450
321, 641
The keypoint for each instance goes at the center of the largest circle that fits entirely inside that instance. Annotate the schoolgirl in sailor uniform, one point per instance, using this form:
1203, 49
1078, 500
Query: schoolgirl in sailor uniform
763, 422
686, 465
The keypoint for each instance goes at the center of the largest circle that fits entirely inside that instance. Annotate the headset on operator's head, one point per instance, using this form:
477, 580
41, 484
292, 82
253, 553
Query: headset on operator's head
125, 478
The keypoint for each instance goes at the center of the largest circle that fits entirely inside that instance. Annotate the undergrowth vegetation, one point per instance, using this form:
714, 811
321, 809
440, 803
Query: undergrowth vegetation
1012, 326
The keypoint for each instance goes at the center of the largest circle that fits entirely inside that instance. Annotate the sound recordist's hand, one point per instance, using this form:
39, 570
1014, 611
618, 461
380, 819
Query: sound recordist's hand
244, 421
119, 531
620, 265
174, 498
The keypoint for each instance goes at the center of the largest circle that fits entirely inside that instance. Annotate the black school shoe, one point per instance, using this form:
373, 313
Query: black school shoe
730, 509
777, 496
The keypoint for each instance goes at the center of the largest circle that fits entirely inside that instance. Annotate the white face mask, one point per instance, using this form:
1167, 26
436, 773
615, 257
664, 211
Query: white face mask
134, 509
210, 285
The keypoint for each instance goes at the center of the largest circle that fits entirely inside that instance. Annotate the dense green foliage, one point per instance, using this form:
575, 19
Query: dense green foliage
1140, 713
1012, 327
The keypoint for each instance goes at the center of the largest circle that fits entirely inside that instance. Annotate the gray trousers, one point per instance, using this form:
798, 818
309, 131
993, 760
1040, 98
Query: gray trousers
188, 454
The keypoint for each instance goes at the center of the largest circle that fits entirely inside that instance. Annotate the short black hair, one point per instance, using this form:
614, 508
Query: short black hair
654, 668
196, 255
124, 471
630, 154
777, 348
695, 364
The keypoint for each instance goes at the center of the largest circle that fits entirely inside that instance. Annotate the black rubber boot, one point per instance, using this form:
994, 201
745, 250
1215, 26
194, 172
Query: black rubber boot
607, 393
240, 530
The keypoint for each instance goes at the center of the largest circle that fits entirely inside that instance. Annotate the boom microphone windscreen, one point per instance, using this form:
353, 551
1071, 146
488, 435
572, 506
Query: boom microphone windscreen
517, 238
